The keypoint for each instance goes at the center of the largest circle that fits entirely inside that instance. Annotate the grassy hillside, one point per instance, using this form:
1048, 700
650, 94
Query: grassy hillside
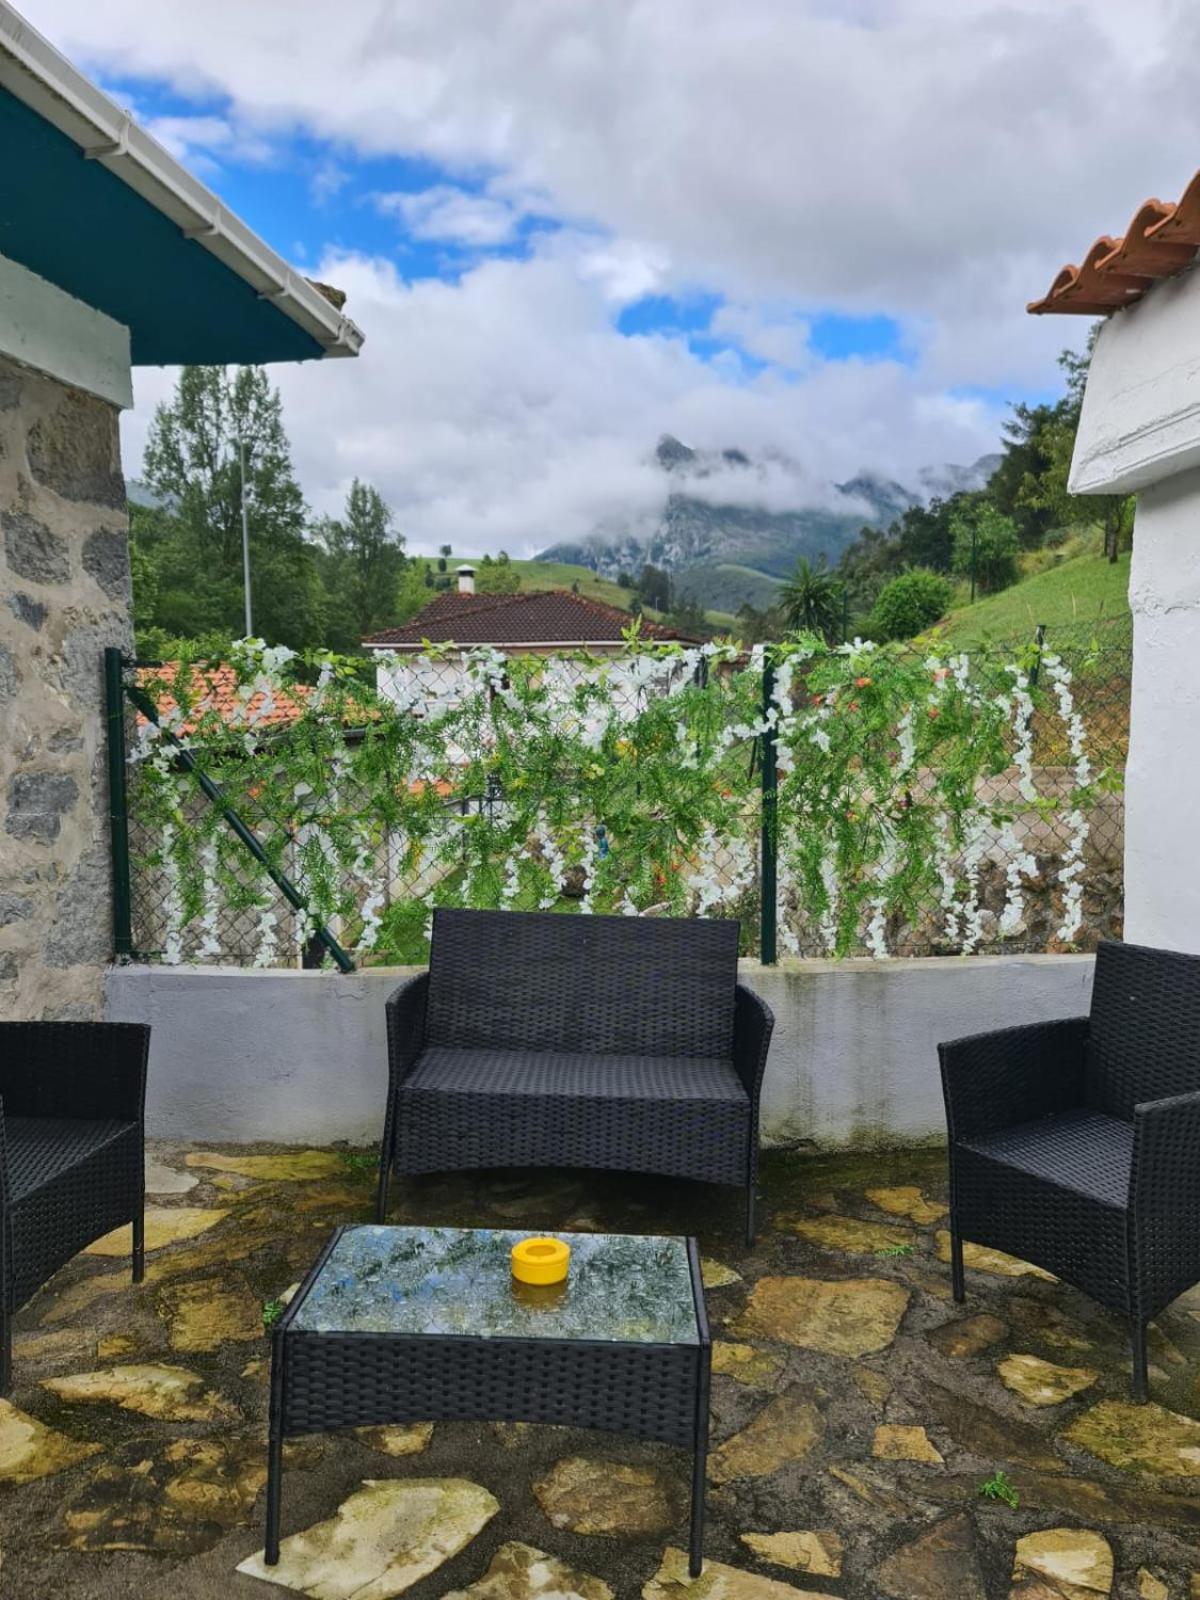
562, 575
1078, 590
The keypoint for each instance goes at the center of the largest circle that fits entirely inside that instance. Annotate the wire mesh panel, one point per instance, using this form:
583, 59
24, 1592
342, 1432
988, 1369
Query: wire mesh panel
1037, 862
634, 784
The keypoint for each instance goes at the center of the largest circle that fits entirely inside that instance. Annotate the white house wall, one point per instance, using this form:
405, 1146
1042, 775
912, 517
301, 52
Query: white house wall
301, 1057
1140, 431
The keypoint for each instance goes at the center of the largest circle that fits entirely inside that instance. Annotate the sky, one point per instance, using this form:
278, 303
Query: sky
803, 228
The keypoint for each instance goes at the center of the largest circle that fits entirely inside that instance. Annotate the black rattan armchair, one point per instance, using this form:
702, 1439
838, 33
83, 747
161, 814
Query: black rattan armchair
1076, 1144
544, 1040
71, 1150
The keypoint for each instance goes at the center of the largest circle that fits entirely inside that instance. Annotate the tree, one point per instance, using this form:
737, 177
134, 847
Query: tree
1047, 492
654, 588
192, 463
497, 577
811, 600
756, 626
364, 562
909, 604
985, 547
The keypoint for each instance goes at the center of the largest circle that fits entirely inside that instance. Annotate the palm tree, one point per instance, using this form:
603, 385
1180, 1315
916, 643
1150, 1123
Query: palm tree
811, 600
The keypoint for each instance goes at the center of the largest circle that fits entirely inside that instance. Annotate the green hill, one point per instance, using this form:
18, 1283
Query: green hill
563, 575
1076, 591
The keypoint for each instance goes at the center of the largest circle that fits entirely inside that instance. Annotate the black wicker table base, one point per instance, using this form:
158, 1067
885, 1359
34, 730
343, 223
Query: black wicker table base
400, 1325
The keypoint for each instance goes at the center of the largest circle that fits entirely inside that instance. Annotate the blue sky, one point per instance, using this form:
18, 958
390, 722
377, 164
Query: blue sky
805, 231
306, 197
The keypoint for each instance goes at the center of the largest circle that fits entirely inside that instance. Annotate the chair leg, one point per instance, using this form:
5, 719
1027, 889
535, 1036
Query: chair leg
5, 1347
139, 1244
1141, 1388
381, 1196
958, 1280
750, 1230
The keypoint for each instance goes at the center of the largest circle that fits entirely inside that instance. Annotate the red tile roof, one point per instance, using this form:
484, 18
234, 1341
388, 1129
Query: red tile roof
215, 688
1161, 240
543, 616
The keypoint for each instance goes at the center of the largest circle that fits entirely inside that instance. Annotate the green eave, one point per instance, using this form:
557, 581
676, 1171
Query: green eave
83, 229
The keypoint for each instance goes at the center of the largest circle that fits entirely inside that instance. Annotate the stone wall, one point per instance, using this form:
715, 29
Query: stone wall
64, 596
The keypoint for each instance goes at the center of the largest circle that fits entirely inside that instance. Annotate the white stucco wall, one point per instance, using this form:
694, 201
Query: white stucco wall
1140, 431
1162, 777
300, 1057
52, 332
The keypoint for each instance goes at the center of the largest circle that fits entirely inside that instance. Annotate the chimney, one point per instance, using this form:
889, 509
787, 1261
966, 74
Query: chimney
466, 580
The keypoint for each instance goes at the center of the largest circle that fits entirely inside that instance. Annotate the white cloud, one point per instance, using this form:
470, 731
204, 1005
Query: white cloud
505, 411
935, 160
446, 212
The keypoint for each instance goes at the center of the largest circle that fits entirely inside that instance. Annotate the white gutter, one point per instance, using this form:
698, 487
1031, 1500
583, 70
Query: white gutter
33, 71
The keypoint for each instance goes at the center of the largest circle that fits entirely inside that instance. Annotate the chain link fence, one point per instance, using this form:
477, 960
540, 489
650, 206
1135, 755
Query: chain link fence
1010, 878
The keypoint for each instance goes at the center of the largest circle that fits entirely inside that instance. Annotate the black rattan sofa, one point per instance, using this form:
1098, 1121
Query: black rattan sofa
546, 1040
72, 1163
1076, 1144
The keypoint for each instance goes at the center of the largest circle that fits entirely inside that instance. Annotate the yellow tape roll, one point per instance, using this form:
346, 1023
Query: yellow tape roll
540, 1260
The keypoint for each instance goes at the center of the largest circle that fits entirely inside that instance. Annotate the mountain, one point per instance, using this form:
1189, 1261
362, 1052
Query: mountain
724, 548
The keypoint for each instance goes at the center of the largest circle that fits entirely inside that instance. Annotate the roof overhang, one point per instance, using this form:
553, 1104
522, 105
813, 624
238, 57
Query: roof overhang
94, 205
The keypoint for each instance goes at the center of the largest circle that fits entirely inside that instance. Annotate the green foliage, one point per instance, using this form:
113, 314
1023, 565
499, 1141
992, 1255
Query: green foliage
271, 1312
998, 1487
194, 541
909, 604
879, 783
615, 785
985, 546
360, 1160
654, 588
894, 1250
497, 577
811, 601
363, 565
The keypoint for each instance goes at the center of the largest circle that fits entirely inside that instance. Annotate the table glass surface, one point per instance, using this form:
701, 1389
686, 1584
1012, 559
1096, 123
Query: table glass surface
621, 1287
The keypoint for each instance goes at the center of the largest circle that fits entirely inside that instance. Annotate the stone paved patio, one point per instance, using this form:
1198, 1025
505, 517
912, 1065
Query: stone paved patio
856, 1413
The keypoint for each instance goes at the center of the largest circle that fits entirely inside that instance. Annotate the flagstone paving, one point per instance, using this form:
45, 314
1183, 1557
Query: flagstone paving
856, 1413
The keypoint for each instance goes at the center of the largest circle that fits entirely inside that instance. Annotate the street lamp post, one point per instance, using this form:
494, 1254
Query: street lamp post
245, 543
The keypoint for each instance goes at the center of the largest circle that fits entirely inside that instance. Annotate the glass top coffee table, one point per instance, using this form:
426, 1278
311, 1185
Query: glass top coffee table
427, 1324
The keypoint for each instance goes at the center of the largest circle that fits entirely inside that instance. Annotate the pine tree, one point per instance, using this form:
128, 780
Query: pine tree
193, 463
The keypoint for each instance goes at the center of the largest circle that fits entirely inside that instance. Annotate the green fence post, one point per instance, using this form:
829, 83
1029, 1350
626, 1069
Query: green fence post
768, 909
234, 823
1035, 671
118, 811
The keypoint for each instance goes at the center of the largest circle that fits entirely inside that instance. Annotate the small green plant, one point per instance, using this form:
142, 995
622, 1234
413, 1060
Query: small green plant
360, 1160
271, 1312
998, 1487
895, 1250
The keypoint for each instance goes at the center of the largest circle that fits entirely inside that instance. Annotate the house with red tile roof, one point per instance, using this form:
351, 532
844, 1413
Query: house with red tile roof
533, 622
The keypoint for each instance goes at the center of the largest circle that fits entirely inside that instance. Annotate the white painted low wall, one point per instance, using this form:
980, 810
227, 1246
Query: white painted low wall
300, 1057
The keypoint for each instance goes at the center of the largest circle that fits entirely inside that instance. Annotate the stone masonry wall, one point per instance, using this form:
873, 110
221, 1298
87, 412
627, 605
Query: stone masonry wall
64, 596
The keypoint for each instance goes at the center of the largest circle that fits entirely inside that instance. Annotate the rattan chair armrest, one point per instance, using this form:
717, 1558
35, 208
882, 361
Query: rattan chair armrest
1165, 1172
406, 1026
753, 1024
74, 1069
998, 1079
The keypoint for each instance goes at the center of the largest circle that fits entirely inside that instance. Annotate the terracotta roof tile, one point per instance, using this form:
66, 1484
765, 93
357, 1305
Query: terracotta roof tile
541, 616
1161, 240
215, 688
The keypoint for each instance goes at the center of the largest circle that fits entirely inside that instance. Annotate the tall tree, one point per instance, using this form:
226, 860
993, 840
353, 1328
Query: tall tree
193, 462
364, 561
811, 599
